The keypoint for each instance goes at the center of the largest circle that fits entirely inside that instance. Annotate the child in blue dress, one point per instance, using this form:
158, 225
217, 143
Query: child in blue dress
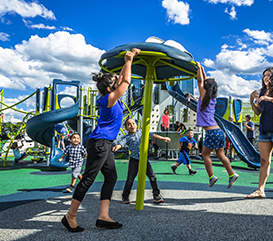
215, 137
99, 147
185, 145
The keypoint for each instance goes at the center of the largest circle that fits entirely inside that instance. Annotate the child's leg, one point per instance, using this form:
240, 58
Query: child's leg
207, 161
73, 181
131, 175
151, 175
226, 163
63, 145
23, 156
189, 166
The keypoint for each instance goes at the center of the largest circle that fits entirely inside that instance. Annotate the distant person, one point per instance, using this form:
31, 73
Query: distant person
250, 131
132, 139
264, 107
229, 146
179, 127
18, 157
61, 133
165, 126
185, 145
76, 153
2, 116
189, 98
215, 137
99, 147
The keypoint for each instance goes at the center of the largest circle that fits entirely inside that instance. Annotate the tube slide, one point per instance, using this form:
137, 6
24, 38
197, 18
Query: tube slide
241, 144
40, 128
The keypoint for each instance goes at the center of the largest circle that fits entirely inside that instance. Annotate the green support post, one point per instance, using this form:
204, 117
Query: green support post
148, 95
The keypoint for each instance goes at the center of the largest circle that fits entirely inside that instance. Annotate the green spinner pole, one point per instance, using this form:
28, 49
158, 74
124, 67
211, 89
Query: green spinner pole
145, 137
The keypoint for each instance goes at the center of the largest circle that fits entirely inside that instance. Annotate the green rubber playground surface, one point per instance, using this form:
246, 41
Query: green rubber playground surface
16, 178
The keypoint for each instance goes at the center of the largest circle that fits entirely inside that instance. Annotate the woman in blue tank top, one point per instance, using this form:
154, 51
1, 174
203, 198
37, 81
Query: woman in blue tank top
264, 107
99, 147
215, 137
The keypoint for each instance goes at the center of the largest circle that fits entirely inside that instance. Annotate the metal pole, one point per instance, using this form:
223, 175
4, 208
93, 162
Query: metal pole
80, 119
148, 94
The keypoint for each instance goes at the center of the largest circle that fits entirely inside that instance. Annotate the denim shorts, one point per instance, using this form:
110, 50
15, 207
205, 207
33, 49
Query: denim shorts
76, 171
268, 137
214, 139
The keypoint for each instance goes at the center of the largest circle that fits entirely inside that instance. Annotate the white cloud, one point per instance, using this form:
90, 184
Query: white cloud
237, 68
42, 26
230, 84
36, 62
4, 36
66, 28
259, 35
233, 2
25, 9
177, 11
232, 12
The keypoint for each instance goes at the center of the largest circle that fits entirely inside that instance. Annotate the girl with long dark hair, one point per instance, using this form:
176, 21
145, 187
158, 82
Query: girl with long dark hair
215, 137
264, 107
99, 147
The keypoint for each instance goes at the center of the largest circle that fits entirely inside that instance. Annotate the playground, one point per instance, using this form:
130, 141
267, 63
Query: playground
32, 200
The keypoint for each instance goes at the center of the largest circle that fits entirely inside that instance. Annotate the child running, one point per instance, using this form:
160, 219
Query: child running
75, 152
99, 147
215, 137
132, 139
185, 145
18, 157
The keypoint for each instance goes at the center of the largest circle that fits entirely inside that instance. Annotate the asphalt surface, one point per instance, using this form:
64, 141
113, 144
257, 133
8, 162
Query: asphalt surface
190, 212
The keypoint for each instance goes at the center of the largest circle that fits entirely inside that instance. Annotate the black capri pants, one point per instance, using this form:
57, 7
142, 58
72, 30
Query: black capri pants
100, 158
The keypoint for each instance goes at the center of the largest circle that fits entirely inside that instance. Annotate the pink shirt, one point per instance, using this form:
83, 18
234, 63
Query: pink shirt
165, 120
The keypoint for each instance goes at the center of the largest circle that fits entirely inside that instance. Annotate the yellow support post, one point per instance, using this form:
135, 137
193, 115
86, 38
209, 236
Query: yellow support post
148, 95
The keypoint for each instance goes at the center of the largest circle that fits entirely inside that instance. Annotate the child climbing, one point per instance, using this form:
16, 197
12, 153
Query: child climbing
18, 157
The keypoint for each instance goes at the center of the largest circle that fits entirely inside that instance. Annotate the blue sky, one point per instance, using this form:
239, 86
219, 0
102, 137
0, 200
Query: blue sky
43, 40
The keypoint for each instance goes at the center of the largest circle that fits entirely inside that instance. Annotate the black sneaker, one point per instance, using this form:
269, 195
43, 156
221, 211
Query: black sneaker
69, 189
174, 169
192, 172
158, 199
126, 200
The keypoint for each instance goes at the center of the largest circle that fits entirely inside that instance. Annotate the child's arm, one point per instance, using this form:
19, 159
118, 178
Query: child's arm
196, 146
85, 155
117, 147
166, 139
62, 157
201, 76
124, 79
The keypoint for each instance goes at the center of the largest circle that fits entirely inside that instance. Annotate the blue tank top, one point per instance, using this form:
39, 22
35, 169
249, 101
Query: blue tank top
266, 119
110, 120
206, 117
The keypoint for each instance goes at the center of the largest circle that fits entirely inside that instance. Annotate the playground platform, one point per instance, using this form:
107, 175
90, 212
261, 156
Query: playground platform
32, 204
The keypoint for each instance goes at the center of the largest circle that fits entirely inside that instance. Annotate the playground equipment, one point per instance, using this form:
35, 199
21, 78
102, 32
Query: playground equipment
241, 144
40, 128
13, 133
157, 63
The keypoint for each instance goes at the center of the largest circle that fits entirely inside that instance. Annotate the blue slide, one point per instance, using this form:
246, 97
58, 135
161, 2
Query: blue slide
41, 128
241, 144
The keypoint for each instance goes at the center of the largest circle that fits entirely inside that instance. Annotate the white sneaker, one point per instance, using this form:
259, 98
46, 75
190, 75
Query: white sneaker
232, 179
213, 180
